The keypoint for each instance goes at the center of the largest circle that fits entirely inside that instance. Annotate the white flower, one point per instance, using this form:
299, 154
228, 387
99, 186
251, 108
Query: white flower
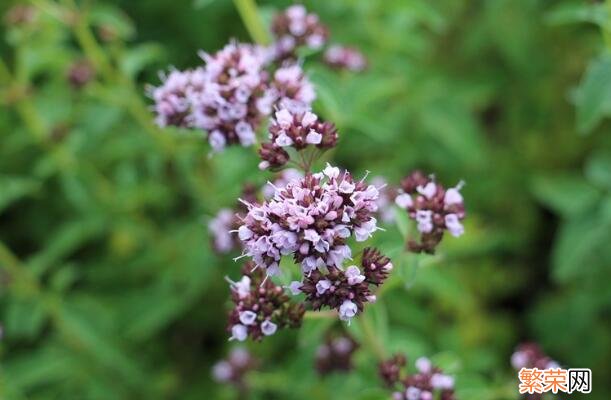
322, 286
346, 187
519, 360
268, 328
354, 275
425, 220
452, 196
442, 381
404, 200
244, 233
427, 190
217, 141
412, 393
308, 119
242, 287
313, 137
347, 310
284, 140
222, 371
424, 365
331, 172
284, 118
366, 229
295, 287
239, 332
248, 317
454, 226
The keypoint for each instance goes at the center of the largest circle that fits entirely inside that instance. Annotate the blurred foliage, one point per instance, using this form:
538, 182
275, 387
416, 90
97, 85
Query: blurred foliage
110, 289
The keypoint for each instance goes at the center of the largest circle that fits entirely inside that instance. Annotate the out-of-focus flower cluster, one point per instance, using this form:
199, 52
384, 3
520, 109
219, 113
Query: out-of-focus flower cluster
434, 208
530, 355
294, 28
310, 219
346, 291
342, 57
260, 306
427, 383
226, 97
335, 354
223, 225
233, 369
386, 199
239, 86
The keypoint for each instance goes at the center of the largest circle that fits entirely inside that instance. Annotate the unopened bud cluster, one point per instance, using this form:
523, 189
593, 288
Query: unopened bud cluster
295, 28
434, 208
260, 306
341, 57
233, 369
345, 290
530, 355
335, 354
296, 130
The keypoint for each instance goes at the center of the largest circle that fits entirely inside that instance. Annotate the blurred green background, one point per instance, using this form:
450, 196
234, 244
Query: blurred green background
110, 290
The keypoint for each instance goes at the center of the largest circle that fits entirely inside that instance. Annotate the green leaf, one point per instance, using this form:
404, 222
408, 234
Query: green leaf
65, 240
24, 318
577, 13
582, 248
139, 57
114, 18
594, 94
598, 170
14, 188
565, 194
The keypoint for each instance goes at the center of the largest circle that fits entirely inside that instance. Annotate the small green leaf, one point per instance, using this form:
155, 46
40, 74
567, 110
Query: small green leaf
565, 194
14, 188
139, 57
594, 94
598, 170
594, 13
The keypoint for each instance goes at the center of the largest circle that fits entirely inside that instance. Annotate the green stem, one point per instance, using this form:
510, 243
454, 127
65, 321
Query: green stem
96, 55
320, 314
606, 29
370, 337
252, 21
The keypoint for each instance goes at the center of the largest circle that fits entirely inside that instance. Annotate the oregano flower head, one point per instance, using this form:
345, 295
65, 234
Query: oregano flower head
310, 219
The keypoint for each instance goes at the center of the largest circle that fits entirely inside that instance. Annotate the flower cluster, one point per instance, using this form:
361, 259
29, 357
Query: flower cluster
233, 369
229, 108
434, 208
228, 97
342, 57
310, 219
260, 306
346, 291
297, 130
530, 355
335, 354
175, 98
294, 28
427, 384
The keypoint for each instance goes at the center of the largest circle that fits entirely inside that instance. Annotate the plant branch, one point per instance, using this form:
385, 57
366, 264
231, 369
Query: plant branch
252, 21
